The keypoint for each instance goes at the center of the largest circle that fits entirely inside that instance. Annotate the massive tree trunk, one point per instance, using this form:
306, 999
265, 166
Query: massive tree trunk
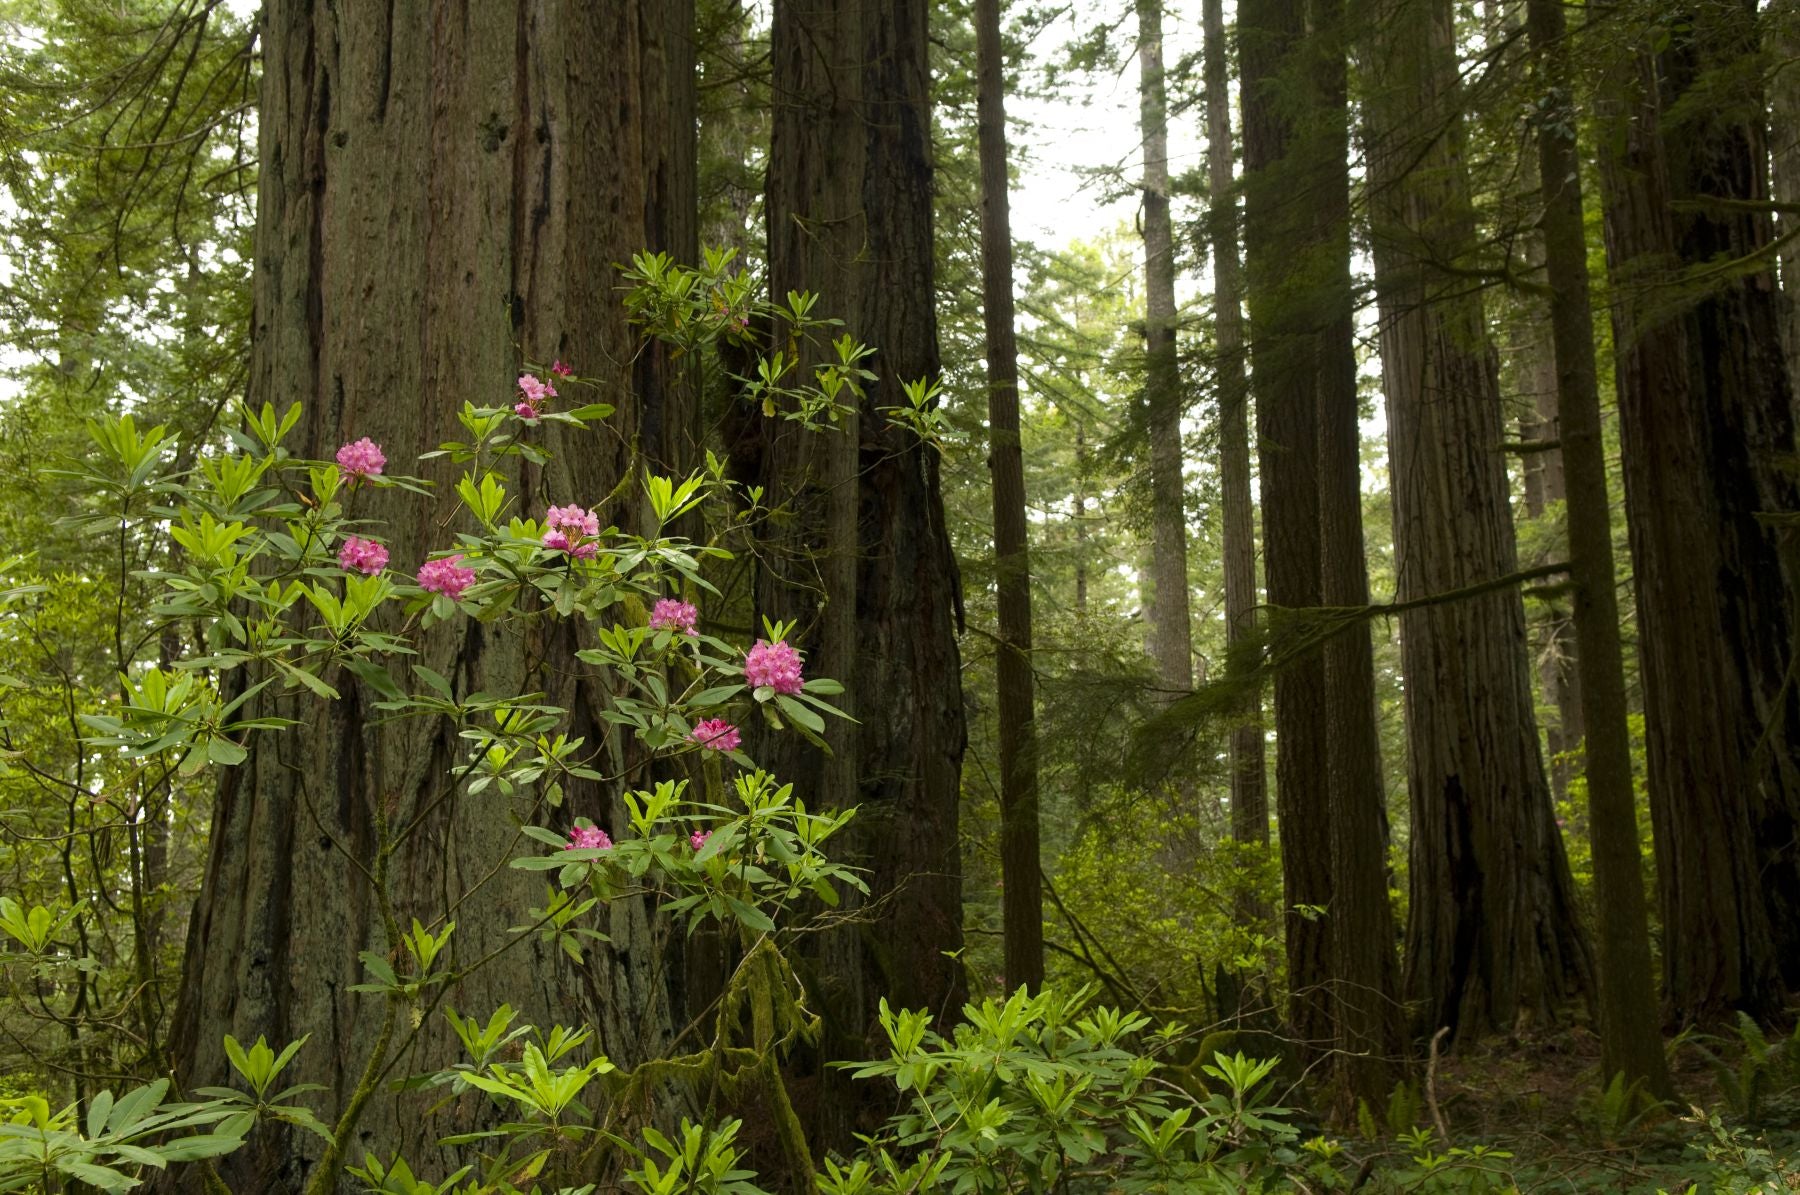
1706, 423
1363, 969
1172, 637
435, 185
1249, 773
1270, 34
1022, 896
867, 560
1492, 933
1630, 1039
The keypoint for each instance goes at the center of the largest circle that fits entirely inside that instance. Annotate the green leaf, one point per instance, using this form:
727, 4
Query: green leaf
435, 680
310, 681
99, 1108
104, 1177
801, 714
202, 1145
376, 677
717, 695
750, 915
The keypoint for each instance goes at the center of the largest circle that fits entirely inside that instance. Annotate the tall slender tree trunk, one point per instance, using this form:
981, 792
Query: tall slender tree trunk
1535, 372
1022, 896
1249, 774
434, 186
1706, 421
1364, 971
1630, 1038
849, 209
1552, 629
1528, 380
1172, 637
1081, 515
1270, 34
1492, 933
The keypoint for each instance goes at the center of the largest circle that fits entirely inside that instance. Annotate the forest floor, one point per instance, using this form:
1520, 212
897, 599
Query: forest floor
1540, 1099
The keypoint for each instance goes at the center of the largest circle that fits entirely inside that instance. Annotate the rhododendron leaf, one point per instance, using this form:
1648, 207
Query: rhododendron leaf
378, 967
221, 750
309, 680
375, 676
801, 714
750, 915
717, 695
539, 862
434, 679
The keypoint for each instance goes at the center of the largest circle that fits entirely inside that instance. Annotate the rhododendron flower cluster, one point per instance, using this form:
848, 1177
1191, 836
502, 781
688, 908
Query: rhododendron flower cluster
535, 391
716, 734
363, 555
588, 838
698, 838
573, 530
444, 576
561, 370
672, 615
363, 458
773, 665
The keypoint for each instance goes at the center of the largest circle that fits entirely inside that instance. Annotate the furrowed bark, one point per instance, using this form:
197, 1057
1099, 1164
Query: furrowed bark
439, 190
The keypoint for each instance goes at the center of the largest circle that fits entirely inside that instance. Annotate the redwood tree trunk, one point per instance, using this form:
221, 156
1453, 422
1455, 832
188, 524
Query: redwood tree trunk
1492, 933
1705, 422
1249, 773
1022, 896
1172, 638
849, 210
435, 185
1630, 1038
1270, 36
1552, 628
1369, 1034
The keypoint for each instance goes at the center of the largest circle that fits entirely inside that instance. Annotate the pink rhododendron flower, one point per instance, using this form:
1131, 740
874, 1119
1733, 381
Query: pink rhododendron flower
446, 577
716, 734
776, 665
572, 529
698, 838
364, 458
588, 838
363, 555
561, 370
672, 615
535, 391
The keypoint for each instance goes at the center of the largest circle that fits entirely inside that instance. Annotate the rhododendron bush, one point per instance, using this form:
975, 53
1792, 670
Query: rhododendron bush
292, 585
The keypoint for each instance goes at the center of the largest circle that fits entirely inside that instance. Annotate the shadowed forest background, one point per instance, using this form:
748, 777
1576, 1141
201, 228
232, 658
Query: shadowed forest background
578, 613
